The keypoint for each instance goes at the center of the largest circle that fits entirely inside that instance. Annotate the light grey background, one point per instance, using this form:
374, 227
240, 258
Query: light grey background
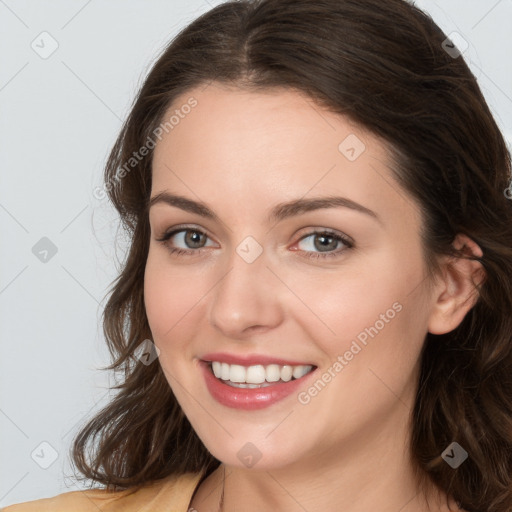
59, 116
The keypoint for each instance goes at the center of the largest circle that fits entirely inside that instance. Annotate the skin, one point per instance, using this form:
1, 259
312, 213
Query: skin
241, 153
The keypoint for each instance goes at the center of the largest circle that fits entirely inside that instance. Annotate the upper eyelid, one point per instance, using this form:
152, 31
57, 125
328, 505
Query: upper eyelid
178, 229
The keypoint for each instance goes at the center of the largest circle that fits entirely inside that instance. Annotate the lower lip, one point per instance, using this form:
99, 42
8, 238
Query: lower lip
247, 398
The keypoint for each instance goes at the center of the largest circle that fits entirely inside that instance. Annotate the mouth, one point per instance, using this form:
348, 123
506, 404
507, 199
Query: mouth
253, 381
258, 375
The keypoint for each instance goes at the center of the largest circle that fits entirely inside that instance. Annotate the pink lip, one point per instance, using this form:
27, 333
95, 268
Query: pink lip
246, 398
249, 360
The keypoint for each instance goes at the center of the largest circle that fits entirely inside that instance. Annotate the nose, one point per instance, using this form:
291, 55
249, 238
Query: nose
247, 299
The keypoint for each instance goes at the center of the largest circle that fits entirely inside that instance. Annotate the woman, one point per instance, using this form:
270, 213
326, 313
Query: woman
315, 310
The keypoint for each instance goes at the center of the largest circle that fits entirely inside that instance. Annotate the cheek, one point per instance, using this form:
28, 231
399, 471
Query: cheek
357, 319
166, 297
175, 297
372, 357
373, 307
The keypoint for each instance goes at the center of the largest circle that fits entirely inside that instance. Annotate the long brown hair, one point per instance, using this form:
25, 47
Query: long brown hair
384, 65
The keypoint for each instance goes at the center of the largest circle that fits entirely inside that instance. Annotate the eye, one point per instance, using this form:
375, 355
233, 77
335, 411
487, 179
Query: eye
189, 236
323, 241
194, 240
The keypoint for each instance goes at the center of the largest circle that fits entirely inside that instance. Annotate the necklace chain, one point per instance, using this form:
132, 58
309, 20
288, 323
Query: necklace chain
221, 503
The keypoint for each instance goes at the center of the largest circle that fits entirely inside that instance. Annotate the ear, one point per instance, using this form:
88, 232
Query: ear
455, 292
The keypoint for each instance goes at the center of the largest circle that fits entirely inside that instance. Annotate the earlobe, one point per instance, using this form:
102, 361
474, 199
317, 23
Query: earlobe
456, 290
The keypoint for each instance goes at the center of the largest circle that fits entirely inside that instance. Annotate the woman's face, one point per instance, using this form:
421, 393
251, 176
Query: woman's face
261, 284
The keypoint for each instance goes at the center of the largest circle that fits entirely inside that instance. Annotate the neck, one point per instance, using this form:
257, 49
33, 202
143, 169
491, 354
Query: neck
372, 471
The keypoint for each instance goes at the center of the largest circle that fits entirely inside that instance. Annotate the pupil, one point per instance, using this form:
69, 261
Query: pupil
324, 238
194, 236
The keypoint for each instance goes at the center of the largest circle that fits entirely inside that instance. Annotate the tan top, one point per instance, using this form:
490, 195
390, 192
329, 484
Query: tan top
171, 494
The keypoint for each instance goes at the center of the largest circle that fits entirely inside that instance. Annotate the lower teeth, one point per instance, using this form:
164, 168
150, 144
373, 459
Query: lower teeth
250, 386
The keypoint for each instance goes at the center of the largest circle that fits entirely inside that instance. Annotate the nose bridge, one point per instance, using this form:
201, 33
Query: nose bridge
245, 296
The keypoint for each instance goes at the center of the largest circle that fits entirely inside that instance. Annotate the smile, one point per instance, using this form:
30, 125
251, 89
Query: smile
253, 387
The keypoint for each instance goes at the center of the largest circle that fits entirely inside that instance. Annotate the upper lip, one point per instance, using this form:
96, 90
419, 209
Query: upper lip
250, 359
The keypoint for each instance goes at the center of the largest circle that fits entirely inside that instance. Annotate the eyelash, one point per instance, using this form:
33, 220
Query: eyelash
312, 255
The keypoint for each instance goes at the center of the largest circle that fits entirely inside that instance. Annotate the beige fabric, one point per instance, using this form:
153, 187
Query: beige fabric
172, 494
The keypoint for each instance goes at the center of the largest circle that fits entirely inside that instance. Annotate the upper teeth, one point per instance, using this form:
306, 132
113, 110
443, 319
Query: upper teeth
258, 374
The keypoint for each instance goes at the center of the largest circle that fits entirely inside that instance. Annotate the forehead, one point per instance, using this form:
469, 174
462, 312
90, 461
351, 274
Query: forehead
272, 119
259, 148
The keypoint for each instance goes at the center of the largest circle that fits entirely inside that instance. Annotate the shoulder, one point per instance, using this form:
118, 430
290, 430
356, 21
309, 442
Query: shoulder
171, 494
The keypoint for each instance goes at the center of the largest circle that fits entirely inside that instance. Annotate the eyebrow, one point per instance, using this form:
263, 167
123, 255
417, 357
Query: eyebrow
278, 213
